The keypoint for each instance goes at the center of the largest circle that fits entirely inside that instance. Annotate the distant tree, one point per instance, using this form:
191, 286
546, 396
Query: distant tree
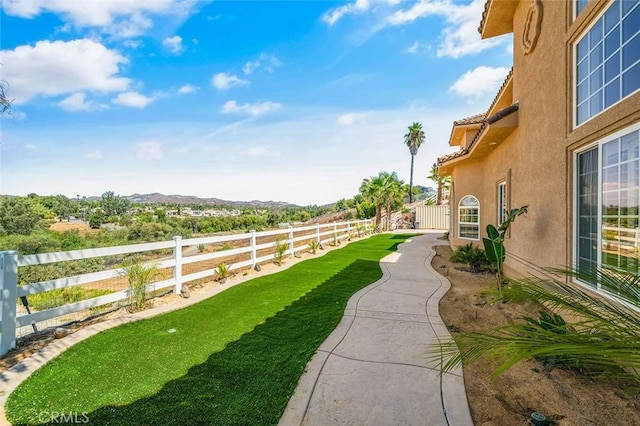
19, 215
341, 205
443, 182
63, 207
96, 219
113, 205
413, 139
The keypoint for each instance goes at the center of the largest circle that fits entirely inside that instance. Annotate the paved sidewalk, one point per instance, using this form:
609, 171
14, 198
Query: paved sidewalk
373, 369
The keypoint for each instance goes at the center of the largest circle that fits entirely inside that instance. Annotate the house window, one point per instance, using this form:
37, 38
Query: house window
580, 4
608, 201
502, 202
608, 60
469, 218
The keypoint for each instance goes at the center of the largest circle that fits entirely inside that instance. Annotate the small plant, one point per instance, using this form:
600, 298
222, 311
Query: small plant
553, 323
139, 276
446, 235
201, 248
360, 230
281, 248
351, 236
223, 272
472, 256
313, 246
494, 244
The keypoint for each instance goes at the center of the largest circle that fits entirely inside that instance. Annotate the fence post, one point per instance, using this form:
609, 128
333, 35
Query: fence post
318, 232
177, 269
9, 286
348, 230
290, 241
253, 248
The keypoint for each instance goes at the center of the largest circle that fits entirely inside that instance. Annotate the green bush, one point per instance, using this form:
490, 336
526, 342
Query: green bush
139, 275
281, 247
472, 256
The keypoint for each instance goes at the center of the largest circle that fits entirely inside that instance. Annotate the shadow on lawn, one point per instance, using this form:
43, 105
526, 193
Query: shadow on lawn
252, 379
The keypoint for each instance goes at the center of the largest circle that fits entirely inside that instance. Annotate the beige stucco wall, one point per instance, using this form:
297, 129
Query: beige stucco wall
539, 153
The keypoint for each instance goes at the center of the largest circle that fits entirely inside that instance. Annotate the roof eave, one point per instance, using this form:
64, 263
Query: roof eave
497, 18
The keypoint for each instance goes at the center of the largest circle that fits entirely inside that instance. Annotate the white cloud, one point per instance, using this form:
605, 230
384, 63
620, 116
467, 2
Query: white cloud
461, 36
133, 100
148, 150
254, 110
334, 15
258, 152
120, 18
174, 44
479, 82
93, 155
187, 88
250, 66
30, 147
133, 44
350, 118
266, 61
59, 67
224, 81
77, 102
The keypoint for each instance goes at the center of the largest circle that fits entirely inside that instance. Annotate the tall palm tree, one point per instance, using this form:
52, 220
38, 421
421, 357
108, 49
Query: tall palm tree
413, 140
443, 182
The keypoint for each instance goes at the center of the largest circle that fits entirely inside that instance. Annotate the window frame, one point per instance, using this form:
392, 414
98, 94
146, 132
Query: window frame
502, 207
598, 144
574, 65
460, 222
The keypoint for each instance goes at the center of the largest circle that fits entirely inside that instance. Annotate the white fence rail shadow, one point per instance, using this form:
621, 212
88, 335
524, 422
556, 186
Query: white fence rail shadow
252, 248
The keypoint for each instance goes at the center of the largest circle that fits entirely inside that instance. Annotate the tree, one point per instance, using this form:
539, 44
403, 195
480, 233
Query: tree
19, 215
393, 192
373, 189
96, 219
413, 140
113, 205
5, 104
443, 182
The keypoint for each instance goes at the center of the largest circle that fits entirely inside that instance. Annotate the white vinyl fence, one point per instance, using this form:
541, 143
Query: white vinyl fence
248, 250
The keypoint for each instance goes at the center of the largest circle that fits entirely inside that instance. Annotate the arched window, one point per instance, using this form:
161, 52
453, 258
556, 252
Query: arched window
469, 218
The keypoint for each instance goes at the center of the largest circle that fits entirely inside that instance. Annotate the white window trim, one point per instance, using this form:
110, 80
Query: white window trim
469, 223
598, 143
574, 65
502, 208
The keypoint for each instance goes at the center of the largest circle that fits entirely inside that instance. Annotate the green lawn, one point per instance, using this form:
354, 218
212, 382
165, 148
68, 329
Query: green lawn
233, 359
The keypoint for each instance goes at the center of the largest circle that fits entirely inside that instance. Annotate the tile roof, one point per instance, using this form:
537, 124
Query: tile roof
484, 15
474, 119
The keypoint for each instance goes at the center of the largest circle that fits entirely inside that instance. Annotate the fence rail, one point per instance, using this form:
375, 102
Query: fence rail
246, 252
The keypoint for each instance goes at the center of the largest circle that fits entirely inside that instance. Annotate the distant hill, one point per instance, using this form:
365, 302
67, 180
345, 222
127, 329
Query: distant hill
157, 198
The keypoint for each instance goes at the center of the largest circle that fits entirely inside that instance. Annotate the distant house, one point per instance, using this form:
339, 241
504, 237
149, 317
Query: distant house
562, 136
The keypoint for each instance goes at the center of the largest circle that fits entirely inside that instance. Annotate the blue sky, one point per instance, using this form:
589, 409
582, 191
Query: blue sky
294, 101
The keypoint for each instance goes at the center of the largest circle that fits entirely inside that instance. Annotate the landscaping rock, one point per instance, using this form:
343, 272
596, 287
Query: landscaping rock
61, 332
185, 292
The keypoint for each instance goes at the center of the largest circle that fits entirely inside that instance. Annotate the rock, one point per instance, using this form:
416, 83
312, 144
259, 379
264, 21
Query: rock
61, 332
258, 268
185, 292
297, 255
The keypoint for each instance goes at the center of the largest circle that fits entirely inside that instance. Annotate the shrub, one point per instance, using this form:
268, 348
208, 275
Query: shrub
281, 247
472, 256
139, 275
313, 246
223, 272
62, 296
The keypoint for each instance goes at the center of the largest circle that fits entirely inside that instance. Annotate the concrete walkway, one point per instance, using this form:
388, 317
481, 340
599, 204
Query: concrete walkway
373, 369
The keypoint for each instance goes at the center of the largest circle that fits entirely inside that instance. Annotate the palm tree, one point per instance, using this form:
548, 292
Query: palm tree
394, 190
605, 336
373, 189
413, 140
443, 182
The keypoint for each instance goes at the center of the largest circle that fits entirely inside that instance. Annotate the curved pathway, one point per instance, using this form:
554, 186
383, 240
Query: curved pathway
374, 369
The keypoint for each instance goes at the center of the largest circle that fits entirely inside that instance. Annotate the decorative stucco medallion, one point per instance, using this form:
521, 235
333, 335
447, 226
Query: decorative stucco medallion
532, 26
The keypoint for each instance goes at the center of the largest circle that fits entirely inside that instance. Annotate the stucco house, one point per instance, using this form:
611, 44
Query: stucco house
562, 136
